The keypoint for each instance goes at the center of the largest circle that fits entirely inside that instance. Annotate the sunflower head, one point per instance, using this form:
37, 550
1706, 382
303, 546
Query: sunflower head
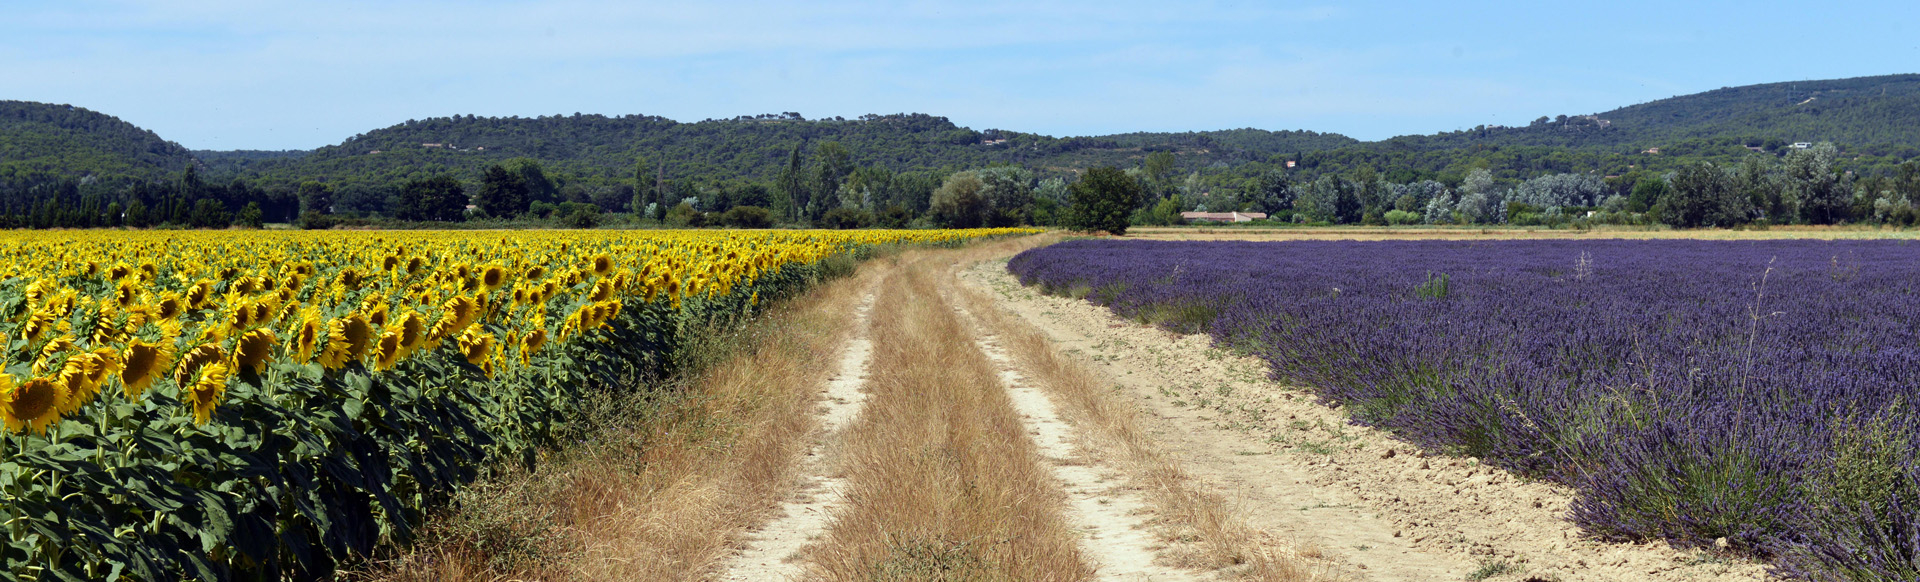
412, 330
493, 277
253, 350
531, 344
143, 363
601, 265
170, 306
206, 393
73, 378
388, 350
199, 357
32, 406
535, 273
602, 290
360, 336
477, 347
307, 336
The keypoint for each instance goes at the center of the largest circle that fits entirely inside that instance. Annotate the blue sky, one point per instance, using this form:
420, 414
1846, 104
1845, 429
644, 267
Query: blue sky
230, 74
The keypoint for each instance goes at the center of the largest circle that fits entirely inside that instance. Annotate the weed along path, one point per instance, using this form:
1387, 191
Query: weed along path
772, 552
1286, 464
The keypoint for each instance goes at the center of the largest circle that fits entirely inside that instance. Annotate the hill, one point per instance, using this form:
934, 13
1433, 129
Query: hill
41, 142
755, 147
1878, 114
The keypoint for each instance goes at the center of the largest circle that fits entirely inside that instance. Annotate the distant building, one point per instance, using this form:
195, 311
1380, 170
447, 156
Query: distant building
1800, 145
1290, 163
433, 145
1757, 149
993, 142
1655, 151
1223, 216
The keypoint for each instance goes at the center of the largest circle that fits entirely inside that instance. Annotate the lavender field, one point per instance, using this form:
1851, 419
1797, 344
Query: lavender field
1758, 391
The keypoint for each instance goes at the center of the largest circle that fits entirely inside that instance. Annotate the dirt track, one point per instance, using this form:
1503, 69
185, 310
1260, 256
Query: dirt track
1297, 468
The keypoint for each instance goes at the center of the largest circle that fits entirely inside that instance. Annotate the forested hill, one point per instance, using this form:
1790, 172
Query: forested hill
1870, 113
754, 147
40, 142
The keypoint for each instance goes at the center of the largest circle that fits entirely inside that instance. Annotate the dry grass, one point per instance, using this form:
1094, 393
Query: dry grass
659, 492
1109, 423
942, 480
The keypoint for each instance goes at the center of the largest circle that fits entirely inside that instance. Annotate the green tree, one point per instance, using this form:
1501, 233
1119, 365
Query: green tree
502, 193
1704, 195
831, 165
961, 202
1810, 174
316, 197
438, 198
790, 187
250, 216
539, 186
1103, 199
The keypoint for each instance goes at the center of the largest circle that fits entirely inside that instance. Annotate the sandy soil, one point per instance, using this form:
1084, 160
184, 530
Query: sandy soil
1113, 519
768, 554
1387, 511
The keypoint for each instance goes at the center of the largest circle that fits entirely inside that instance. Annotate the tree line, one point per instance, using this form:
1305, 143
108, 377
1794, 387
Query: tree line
822, 185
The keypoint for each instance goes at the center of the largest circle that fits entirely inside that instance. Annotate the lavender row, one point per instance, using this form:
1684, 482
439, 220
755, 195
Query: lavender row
1760, 391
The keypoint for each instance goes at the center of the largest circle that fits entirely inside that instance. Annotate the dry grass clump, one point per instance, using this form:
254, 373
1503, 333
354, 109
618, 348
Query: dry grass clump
666, 478
942, 481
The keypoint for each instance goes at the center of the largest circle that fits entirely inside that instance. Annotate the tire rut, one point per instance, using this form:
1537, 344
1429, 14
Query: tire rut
769, 553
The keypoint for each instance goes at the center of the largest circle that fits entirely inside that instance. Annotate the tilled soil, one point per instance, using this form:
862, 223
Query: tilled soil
1295, 466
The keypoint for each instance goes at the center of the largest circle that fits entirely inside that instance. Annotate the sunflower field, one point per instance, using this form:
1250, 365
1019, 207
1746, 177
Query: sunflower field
254, 405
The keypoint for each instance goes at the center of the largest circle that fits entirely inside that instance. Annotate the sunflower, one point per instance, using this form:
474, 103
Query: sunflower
39, 324
477, 347
33, 406
602, 291
412, 330
126, 293
206, 393
199, 295
535, 272
531, 344
307, 336
333, 354
196, 358
601, 265
253, 350
144, 362
360, 336
388, 351
170, 306
73, 377
456, 313
493, 277
102, 365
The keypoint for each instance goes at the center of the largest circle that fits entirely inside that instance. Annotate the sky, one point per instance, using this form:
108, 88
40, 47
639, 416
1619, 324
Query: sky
233, 74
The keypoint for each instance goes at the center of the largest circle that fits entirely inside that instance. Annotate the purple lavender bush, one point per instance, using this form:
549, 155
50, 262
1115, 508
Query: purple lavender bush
1759, 391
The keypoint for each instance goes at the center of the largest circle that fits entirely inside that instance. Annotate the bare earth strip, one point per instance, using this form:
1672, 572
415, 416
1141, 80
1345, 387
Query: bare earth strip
769, 553
1292, 465
1112, 518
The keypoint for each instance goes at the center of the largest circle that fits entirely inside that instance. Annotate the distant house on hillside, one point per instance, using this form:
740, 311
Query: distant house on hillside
1223, 216
1291, 163
1757, 149
1800, 145
433, 145
1652, 151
